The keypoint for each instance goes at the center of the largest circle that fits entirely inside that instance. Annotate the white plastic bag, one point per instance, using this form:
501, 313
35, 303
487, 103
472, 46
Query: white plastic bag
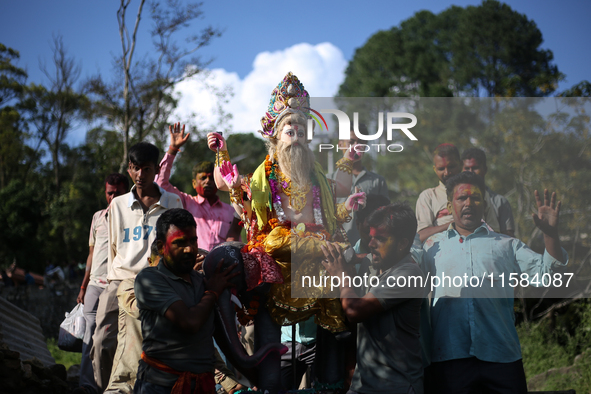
72, 330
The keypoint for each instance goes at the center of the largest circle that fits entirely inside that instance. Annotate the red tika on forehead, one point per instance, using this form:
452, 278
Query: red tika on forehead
469, 189
173, 237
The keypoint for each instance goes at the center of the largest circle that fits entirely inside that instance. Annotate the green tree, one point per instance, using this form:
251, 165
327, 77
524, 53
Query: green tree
486, 50
12, 78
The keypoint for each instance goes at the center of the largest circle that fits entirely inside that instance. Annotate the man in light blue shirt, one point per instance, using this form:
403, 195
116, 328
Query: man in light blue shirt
474, 341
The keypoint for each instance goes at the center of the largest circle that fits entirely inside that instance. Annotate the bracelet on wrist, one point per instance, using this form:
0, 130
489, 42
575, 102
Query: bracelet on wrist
213, 293
172, 148
345, 165
221, 157
83, 287
236, 195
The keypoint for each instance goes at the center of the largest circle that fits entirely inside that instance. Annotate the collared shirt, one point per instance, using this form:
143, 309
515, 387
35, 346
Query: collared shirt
370, 183
156, 289
131, 232
99, 238
477, 327
498, 207
388, 344
213, 221
432, 209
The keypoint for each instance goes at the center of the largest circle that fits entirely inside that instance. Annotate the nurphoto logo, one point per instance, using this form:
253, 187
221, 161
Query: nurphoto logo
344, 126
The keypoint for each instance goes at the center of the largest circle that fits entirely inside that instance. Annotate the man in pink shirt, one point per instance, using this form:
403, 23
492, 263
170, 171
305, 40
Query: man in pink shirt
215, 219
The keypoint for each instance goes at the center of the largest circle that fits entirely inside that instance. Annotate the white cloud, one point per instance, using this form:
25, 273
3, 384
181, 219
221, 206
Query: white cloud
321, 68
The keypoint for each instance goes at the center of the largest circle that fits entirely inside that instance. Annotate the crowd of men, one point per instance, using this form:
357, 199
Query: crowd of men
149, 309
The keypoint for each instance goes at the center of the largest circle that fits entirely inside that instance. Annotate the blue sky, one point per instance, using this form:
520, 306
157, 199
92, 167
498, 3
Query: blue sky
315, 38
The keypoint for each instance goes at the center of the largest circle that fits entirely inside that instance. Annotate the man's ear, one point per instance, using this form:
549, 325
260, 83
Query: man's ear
160, 247
434, 170
403, 244
449, 206
194, 183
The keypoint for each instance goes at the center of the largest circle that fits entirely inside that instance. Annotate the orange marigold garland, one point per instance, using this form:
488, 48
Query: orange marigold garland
247, 314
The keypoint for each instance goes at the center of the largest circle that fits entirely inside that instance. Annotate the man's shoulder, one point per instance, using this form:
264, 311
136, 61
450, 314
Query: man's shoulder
148, 275
374, 175
406, 268
170, 199
120, 202
496, 198
435, 239
427, 194
98, 214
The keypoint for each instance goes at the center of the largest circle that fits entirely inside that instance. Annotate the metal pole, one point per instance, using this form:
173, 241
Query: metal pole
293, 356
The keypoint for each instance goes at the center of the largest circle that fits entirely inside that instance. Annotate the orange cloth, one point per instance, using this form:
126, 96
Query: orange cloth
204, 382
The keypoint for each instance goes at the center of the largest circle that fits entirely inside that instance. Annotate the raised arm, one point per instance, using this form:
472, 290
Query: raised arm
344, 173
192, 319
218, 144
547, 220
357, 309
177, 139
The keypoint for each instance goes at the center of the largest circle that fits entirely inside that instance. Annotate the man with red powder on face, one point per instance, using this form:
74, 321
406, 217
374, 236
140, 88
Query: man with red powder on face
176, 305
215, 219
388, 316
474, 342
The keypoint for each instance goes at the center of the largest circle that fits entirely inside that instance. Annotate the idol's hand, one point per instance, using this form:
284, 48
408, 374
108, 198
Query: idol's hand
231, 176
353, 154
216, 141
355, 200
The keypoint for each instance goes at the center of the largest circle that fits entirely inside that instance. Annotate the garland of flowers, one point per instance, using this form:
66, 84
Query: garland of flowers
272, 172
245, 315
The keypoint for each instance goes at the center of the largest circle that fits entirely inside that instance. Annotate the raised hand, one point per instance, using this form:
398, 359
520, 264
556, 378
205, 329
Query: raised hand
221, 279
548, 213
355, 200
353, 154
215, 141
230, 174
177, 136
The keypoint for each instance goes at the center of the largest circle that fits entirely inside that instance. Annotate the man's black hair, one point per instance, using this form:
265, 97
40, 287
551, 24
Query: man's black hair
373, 202
361, 127
204, 166
117, 179
154, 247
398, 219
475, 153
173, 217
447, 150
143, 153
464, 177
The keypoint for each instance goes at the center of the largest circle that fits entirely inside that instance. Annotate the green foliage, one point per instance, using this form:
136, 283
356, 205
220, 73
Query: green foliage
20, 216
543, 348
12, 78
486, 50
61, 357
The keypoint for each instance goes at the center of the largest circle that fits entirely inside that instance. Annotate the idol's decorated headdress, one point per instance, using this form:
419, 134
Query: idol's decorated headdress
288, 97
